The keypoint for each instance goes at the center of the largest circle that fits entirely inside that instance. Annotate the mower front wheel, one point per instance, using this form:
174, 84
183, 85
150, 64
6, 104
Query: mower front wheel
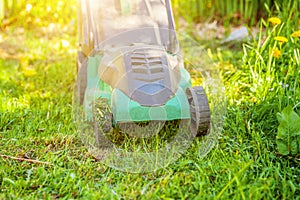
199, 110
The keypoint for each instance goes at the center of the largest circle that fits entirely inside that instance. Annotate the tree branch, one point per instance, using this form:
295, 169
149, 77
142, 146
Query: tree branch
24, 159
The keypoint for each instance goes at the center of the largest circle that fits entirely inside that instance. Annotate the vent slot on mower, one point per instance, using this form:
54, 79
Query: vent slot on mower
146, 68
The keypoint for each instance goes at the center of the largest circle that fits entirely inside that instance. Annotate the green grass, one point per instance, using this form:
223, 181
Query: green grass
227, 12
37, 74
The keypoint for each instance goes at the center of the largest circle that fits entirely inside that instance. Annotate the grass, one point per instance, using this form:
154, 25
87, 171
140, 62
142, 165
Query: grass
227, 12
37, 74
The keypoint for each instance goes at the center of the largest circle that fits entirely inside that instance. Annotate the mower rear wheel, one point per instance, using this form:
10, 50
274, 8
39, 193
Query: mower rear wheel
199, 110
102, 121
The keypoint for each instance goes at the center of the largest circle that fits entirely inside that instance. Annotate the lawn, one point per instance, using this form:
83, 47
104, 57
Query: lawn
42, 157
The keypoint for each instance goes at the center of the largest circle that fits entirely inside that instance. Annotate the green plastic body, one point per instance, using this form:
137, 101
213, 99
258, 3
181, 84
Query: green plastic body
126, 110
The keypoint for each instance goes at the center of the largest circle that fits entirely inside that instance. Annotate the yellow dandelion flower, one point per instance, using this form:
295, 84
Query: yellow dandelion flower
274, 20
28, 71
281, 39
296, 34
276, 53
209, 5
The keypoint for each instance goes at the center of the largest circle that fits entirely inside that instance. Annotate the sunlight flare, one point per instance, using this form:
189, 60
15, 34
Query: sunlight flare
28, 7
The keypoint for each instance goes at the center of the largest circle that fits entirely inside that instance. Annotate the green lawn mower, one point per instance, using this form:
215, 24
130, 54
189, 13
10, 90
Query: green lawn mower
131, 73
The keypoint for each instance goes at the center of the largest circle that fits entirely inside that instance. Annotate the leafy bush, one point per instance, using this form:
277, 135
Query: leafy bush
288, 137
271, 68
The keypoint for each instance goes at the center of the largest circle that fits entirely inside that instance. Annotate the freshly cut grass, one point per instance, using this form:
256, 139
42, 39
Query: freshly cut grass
37, 74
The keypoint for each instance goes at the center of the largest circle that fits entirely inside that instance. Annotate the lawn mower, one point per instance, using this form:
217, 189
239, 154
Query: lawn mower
131, 73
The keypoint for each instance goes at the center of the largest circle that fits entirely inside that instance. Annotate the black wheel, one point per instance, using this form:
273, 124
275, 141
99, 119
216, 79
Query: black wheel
81, 82
199, 110
102, 119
